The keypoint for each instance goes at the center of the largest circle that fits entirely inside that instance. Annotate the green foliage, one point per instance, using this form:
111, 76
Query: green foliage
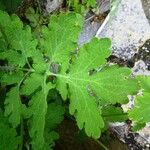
59, 40
138, 126
81, 6
81, 84
8, 135
32, 16
35, 66
10, 5
13, 107
140, 113
25, 72
113, 114
91, 56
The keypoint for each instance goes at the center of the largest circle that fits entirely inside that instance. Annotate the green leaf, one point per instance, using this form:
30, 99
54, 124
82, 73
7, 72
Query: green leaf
17, 36
16, 60
110, 84
37, 111
50, 138
113, 114
54, 115
81, 6
32, 16
140, 113
61, 35
10, 5
138, 126
90, 3
113, 84
32, 83
38, 108
9, 139
3, 44
144, 82
13, 106
11, 78
59, 39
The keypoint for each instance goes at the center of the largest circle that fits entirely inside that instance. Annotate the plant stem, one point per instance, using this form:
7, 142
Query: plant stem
119, 114
28, 70
101, 144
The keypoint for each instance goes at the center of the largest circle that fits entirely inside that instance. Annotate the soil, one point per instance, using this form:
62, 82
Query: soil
69, 140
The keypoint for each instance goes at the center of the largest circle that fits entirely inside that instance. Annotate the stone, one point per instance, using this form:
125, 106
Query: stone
128, 29
49, 6
91, 27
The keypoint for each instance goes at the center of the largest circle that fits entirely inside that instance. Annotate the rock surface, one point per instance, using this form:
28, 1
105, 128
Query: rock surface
128, 29
49, 6
90, 26
146, 7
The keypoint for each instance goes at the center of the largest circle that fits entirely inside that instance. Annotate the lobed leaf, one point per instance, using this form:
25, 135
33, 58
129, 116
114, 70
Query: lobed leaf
109, 83
59, 40
140, 113
18, 37
37, 111
16, 60
14, 109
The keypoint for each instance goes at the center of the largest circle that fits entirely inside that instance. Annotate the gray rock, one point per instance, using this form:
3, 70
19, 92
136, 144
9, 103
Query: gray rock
50, 5
140, 68
89, 31
91, 27
146, 7
128, 29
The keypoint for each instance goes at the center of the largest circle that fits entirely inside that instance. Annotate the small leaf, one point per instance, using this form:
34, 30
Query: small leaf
32, 16
140, 113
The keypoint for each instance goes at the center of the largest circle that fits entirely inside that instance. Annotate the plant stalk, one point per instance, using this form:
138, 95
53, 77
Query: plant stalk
101, 144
